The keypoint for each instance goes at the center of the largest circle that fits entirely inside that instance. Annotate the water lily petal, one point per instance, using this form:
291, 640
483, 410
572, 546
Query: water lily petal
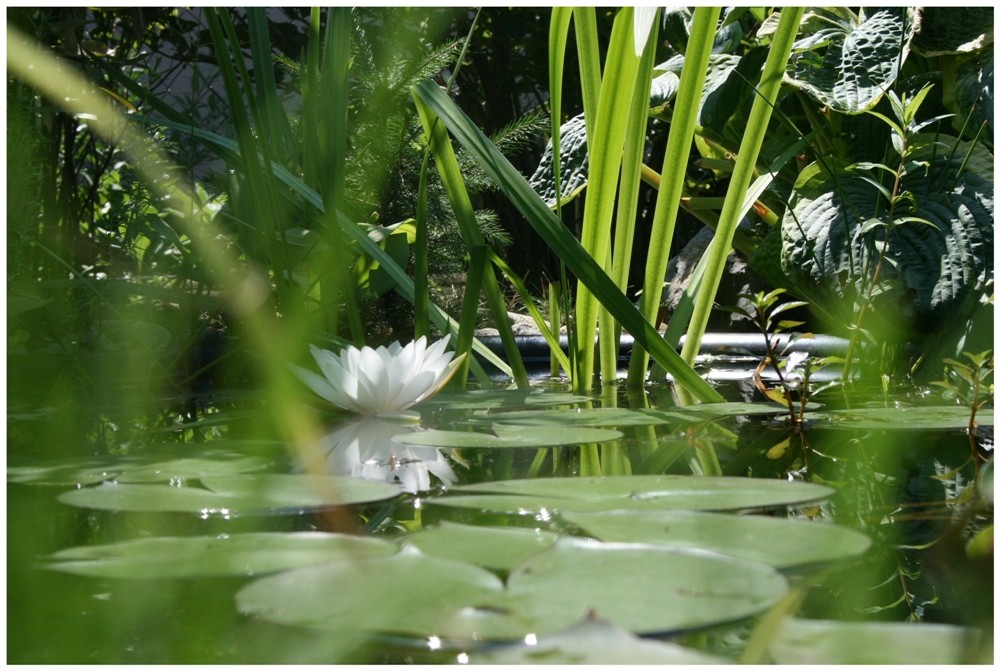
441, 380
338, 376
373, 381
323, 388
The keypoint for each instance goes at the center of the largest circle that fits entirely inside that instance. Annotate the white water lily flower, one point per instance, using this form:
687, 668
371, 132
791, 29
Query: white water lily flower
366, 448
384, 381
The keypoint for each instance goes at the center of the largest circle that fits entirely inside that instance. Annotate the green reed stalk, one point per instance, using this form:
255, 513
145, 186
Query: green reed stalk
325, 94
743, 171
628, 189
605, 145
458, 196
558, 35
675, 159
560, 240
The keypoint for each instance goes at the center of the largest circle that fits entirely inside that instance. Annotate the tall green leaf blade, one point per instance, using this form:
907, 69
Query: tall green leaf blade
605, 152
561, 241
672, 185
743, 172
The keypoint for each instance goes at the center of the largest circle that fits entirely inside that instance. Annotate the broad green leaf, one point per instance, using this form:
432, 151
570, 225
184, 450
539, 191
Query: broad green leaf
132, 469
633, 492
592, 641
406, 593
641, 588
903, 418
777, 542
234, 495
827, 642
846, 61
573, 164
495, 548
936, 272
595, 417
957, 30
508, 435
489, 399
248, 554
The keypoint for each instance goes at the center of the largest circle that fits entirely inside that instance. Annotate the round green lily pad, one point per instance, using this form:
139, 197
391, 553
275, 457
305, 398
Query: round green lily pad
406, 593
235, 494
578, 417
778, 542
631, 492
497, 548
593, 641
133, 469
507, 435
245, 554
920, 418
831, 642
641, 588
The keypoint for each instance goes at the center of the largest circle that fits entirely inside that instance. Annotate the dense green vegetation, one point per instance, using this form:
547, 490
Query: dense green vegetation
196, 197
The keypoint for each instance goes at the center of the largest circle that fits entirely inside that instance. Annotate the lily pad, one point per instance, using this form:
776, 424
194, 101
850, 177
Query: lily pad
406, 593
232, 495
507, 435
631, 492
491, 399
644, 589
497, 548
919, 418
778, 542
132, 469
830, 642
593, 417
246, 554
593, 641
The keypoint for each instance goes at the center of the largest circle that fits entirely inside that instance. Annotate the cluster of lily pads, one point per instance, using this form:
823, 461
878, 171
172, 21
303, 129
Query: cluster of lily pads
571, 569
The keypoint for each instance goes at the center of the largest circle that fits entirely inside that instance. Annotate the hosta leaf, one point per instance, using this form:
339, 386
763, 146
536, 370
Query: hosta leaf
573, 163
954, 30
935, 272
846, 62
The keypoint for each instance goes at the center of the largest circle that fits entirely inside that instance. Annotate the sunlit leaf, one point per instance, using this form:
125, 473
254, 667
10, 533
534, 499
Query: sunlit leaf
904, 418
508, 435
232, 495
775, 541
248, 554
641, 588
491, 547
828, 642
635, 492
593, 641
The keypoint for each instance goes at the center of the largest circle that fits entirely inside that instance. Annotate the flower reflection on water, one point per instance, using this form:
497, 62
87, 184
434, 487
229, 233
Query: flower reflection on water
366, 448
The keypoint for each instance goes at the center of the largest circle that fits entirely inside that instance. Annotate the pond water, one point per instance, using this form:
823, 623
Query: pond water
519, 526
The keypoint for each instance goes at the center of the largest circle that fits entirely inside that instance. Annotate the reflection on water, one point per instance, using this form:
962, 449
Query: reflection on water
366, 448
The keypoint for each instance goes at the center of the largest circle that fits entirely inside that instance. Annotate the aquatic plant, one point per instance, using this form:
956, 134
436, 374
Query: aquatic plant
383, 381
